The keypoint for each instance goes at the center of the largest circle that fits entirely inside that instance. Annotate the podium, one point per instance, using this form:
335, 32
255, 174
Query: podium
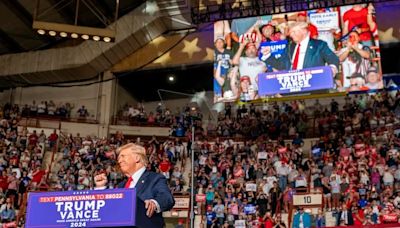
92, 208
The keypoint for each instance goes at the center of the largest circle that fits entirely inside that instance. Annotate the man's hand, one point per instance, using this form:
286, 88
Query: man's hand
266, 50
349, 45
100, 180
150, 206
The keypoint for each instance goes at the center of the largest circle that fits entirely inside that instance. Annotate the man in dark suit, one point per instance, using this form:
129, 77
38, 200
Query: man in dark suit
344, 217
302, 52
152, 193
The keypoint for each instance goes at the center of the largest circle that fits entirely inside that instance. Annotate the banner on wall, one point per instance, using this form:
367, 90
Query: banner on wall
284, 82
82, 208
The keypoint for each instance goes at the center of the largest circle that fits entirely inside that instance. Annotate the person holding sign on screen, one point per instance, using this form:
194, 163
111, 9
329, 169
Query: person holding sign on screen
152, 192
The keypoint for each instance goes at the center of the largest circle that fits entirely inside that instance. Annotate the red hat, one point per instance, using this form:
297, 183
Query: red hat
251, 44
302, 13
243, 78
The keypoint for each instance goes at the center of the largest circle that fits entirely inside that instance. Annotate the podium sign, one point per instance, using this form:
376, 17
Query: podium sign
95, 208
307, 199
305, 80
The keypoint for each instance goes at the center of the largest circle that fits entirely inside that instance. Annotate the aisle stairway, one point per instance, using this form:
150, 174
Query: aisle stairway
186, 173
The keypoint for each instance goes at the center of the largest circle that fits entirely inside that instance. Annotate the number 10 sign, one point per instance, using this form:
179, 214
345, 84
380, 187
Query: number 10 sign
307, 199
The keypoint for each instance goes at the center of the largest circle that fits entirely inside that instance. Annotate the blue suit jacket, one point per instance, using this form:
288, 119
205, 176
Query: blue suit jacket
306, 220
151, 186
317, 54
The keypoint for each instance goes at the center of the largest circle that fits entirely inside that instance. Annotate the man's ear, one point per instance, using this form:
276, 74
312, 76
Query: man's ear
136, 158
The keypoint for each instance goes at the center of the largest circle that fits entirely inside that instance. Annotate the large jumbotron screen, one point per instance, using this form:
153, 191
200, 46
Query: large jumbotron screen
318, 51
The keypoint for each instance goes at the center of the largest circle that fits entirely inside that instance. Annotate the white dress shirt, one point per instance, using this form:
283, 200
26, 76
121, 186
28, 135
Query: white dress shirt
136, 176
302, 54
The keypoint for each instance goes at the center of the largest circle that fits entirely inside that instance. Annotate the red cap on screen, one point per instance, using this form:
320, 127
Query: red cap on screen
243, 78
250, 45
302, 13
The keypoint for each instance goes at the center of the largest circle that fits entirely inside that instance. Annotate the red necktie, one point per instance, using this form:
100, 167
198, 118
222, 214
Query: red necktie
128, 183
296, 58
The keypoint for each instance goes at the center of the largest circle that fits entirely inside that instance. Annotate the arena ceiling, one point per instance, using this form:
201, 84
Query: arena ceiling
16, 16
29, 59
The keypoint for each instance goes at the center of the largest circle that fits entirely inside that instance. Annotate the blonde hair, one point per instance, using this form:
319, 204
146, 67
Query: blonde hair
135, 149
300, 25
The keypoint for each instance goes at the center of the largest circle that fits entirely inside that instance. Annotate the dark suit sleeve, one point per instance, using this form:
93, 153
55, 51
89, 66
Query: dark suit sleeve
281, 63
328, 55
162, 194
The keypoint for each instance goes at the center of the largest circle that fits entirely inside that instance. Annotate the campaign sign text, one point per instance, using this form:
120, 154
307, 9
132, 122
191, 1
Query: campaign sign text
105, 208
284, 82
277, 48
325, 21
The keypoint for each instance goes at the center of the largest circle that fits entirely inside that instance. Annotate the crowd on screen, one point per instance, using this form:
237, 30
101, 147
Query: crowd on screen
247, 47
355, 164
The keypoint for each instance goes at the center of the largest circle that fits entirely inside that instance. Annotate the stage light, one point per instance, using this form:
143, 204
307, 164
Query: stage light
74, 31
171, 78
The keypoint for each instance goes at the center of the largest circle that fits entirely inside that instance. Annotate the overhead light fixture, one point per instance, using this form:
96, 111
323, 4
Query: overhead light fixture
74, 31
107, 39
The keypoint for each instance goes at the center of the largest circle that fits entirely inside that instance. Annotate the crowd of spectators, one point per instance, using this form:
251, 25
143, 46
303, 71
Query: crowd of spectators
355, 165
180, 121
85, 157
21, 157
285, 120
246, 181
45, 109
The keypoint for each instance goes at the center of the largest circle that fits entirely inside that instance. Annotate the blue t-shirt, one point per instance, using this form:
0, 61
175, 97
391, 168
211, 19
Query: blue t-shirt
180, 132
210, 217
362, 203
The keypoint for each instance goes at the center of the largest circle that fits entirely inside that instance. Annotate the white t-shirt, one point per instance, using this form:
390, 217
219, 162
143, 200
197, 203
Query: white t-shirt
251, 67
41, 108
